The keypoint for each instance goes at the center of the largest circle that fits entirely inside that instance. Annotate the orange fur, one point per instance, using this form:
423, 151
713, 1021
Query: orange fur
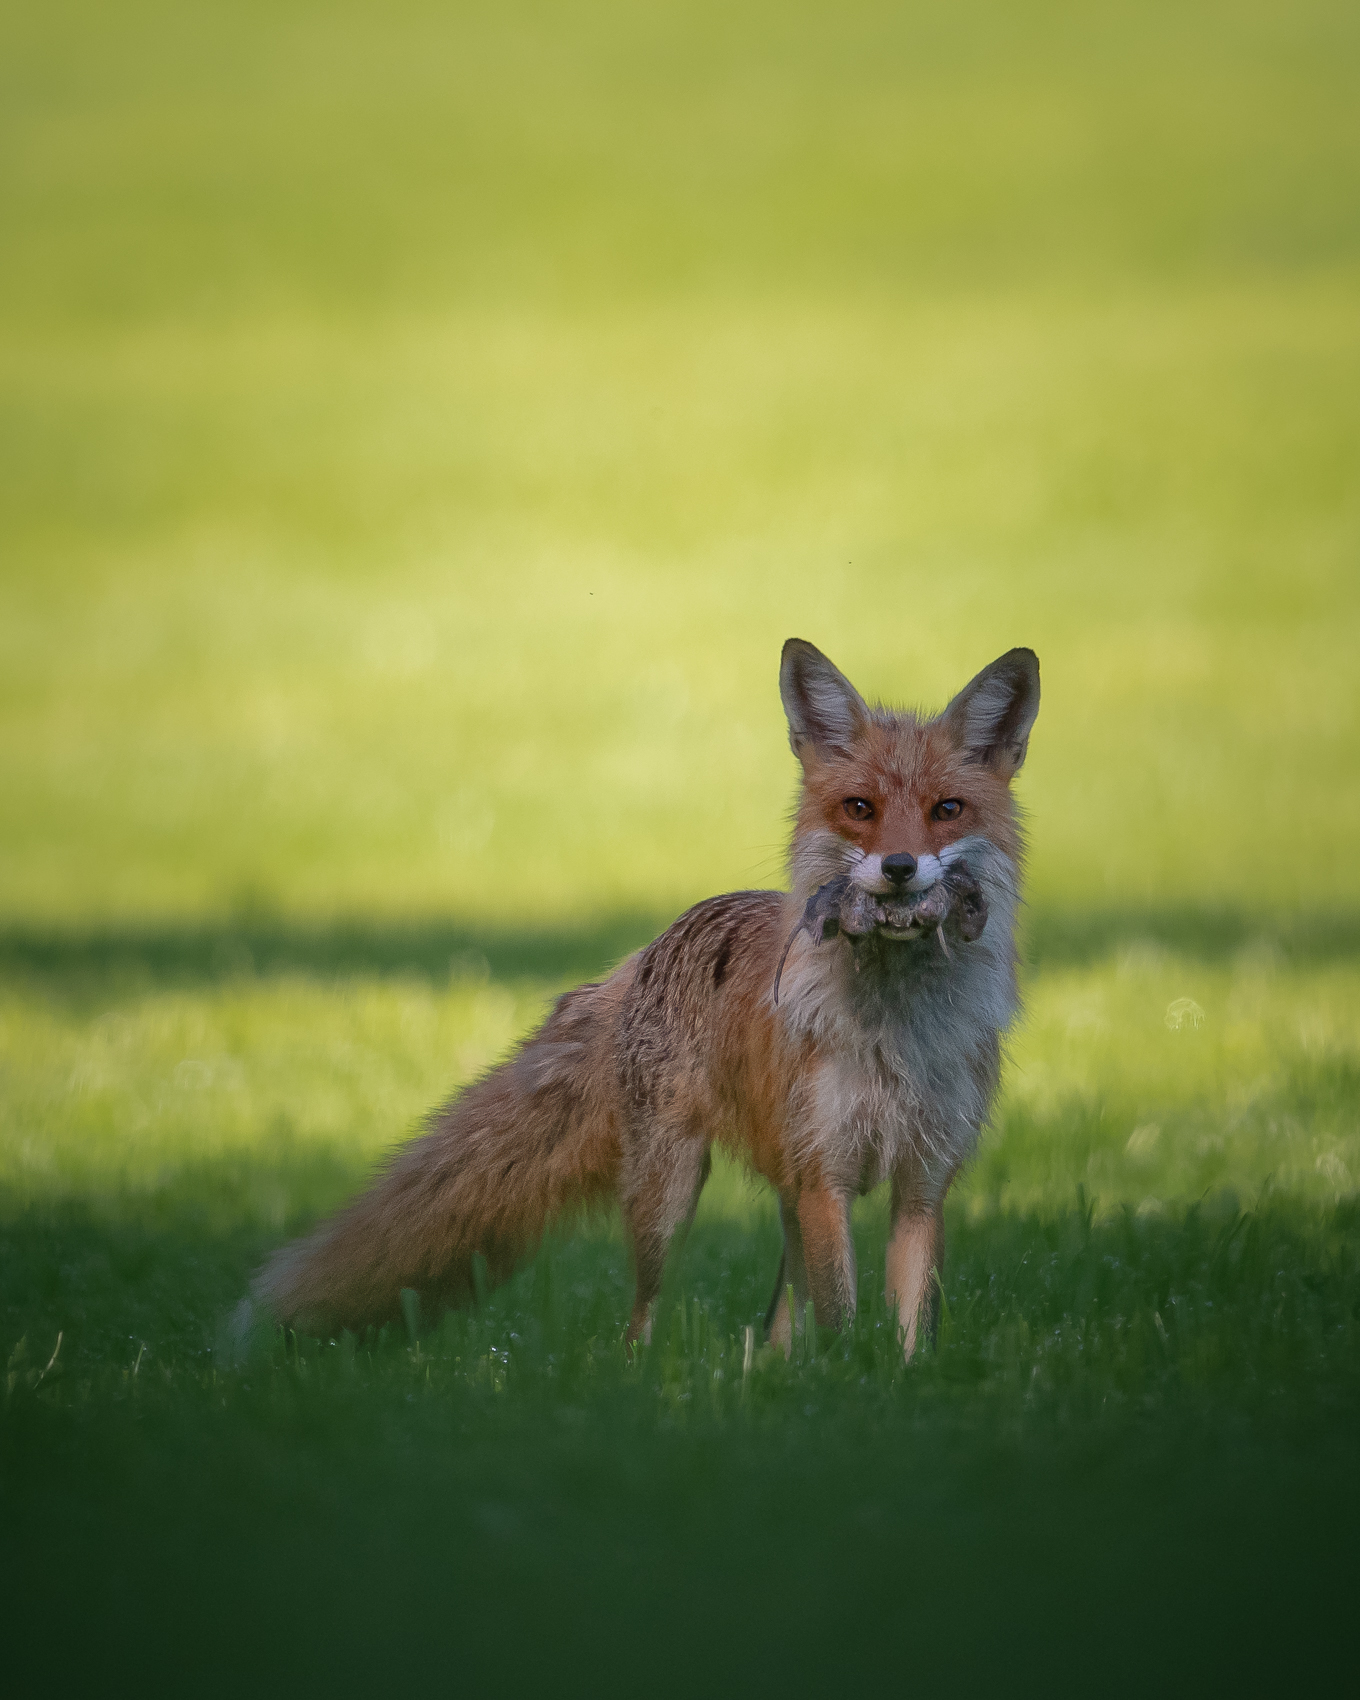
880, 1065
905, 779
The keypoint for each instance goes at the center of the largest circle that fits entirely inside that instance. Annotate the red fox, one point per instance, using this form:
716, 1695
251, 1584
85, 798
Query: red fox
831, 1037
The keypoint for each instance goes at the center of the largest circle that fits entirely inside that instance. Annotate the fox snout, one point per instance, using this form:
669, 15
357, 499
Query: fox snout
900, 871
885, 874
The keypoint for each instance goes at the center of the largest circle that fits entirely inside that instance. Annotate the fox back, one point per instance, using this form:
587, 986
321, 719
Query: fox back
830, 1037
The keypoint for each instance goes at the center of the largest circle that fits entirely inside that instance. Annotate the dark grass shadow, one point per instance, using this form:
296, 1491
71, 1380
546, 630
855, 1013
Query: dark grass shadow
162, 1265
437, 948
1126, 1422
1207, 933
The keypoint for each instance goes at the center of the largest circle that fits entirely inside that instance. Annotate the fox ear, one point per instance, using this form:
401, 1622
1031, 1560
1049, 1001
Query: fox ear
825, 710
992, 715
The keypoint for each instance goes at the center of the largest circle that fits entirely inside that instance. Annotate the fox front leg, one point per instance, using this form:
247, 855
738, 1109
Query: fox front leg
780, 1322
914, 1262
829, 1252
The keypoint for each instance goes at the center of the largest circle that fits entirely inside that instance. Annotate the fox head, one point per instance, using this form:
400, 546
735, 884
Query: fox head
891, 798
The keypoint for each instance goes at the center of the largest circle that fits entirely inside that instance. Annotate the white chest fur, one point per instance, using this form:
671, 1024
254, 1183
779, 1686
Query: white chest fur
906, 1053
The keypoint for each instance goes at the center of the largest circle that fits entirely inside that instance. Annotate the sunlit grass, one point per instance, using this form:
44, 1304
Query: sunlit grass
483, 613
1149, 1080
420, 426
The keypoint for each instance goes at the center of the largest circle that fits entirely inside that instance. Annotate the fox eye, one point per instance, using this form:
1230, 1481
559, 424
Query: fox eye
950, 809
858, 808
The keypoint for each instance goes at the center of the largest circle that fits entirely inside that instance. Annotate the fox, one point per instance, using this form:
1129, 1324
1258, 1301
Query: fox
830, 1038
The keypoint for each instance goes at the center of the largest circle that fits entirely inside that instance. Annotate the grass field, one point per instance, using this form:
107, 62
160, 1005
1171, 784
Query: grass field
419, 429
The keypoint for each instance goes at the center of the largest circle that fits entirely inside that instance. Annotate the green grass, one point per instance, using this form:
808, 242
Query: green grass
419, 429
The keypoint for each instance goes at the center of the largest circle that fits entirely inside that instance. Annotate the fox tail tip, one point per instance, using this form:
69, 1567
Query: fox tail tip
242, 1331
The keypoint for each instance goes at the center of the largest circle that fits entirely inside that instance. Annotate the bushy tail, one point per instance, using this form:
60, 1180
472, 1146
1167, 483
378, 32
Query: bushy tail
536, 1137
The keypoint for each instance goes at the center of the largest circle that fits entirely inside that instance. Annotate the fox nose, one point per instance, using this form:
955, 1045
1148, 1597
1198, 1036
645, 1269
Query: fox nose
899, 868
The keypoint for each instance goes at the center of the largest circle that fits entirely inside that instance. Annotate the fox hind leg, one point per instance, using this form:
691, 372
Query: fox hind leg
780, 1324
660, 1199
778, 1297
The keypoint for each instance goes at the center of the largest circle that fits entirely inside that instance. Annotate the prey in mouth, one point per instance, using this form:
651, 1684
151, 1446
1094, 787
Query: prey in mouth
905, 913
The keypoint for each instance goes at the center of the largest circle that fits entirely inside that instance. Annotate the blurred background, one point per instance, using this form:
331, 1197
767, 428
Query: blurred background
422, 425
